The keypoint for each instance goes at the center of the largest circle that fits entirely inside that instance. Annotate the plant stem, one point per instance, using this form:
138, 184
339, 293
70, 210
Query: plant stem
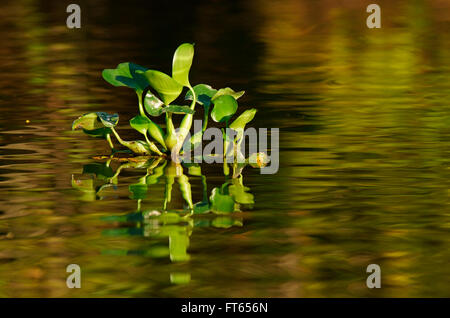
194, 97
141, 102
118, 137
152, 145
171, 138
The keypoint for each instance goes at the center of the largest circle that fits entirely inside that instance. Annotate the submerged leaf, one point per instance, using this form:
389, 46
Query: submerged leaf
224, 107
182, 62
166, 86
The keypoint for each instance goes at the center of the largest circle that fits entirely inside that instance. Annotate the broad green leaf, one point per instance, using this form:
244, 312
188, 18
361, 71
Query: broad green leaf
108, 120
152, 104
221, 203
88, 121
98, 133
224, 107
127, 74
243, 119
138, 191
157, 133
140, 123
166, 86
204, 94
227, 91
182, 62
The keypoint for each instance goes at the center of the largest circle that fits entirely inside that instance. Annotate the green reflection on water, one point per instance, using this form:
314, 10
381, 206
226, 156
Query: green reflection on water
165, 223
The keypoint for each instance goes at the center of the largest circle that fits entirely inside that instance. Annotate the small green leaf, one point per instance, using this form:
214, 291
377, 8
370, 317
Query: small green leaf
182, 62
138, 147
88, 121
204, 94
166, 86
140, 123
152, 104
227, 91
108, 120
224, 107
221, 203
127, 74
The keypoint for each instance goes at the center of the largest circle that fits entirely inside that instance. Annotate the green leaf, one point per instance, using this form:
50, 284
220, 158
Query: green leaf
88, 121
127, 74
224, 107
108, 120
140, 123
243, 119
204, 94
227, 91
182, 62
167, 88
138, 147
152, 104
221, 203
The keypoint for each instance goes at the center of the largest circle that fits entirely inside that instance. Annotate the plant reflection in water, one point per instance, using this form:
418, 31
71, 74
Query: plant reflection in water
217, 209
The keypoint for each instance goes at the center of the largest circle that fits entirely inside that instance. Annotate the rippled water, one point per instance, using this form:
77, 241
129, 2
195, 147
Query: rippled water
364, 176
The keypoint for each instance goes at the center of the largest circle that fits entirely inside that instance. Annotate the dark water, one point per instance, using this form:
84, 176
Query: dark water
364, 118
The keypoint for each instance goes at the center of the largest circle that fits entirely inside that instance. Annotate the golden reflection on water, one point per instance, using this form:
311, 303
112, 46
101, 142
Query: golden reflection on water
364, 163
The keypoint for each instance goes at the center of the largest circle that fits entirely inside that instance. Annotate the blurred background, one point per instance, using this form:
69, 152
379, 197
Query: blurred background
364, 176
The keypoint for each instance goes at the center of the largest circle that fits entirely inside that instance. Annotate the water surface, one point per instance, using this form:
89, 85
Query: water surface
364, 176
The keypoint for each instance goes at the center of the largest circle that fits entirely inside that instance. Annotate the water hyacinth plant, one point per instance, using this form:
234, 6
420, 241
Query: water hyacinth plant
156, 92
